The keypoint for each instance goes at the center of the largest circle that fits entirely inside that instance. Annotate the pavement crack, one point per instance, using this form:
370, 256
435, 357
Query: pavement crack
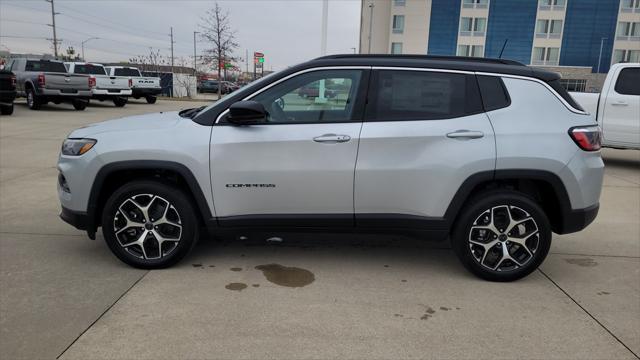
589, 314
103, 313
594, 255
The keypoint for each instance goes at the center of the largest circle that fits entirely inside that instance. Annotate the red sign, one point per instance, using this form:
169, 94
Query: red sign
258, 55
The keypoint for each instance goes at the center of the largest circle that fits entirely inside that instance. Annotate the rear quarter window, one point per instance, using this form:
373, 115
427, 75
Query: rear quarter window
628, 82
557, 86
494, 94
422, 95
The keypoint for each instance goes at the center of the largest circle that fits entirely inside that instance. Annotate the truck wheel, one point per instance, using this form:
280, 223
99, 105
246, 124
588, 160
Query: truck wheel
79, 104
6, 110
149, 225
502, 235
151, 99
33, 102
119, 101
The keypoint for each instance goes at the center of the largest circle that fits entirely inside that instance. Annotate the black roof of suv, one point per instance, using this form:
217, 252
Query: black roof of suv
489, 65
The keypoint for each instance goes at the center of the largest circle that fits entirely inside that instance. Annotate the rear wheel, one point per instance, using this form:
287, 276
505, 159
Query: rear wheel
119, 101
502, 236
33, 101
149, 225
79, 104
150, 99
6, 110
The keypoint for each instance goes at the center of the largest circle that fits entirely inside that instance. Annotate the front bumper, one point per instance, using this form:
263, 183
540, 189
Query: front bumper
77, 219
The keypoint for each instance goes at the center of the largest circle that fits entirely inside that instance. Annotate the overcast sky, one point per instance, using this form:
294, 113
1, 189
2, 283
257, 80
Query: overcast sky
286, 31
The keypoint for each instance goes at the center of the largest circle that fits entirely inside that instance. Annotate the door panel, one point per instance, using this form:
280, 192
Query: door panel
424, 135
296, 167
621, 121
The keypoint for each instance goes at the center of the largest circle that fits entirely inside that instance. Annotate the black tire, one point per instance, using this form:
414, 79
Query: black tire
151, 99
137, 190
119, 101
79, 104
6, 110
503, 202
33, 101
136, 97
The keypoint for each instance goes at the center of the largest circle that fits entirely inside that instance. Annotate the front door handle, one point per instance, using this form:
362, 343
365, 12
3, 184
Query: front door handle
465, 134
332, 138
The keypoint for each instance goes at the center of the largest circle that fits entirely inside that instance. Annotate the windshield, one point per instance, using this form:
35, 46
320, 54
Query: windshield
126, 72
88, 69
45, 65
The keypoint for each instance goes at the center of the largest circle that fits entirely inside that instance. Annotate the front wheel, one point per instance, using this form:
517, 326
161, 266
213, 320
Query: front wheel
149, 225
151, 99
502, 235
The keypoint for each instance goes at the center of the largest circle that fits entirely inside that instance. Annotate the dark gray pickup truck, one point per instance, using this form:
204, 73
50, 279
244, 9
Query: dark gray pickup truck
42, 81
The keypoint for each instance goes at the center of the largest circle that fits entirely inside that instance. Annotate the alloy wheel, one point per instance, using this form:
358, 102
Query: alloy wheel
147, 226
504, 238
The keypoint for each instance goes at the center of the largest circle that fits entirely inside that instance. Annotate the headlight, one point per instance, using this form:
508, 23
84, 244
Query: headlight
77, 147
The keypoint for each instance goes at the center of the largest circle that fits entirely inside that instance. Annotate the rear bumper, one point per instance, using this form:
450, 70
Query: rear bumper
112, 92
7, 96
59, 94
146, 91
77, 219
577, 220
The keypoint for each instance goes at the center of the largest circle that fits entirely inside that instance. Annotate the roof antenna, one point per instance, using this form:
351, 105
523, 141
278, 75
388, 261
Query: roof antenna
503, 46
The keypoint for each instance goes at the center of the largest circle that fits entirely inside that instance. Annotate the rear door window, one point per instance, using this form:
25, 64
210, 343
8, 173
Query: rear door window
422, 95
628, 82
46, 66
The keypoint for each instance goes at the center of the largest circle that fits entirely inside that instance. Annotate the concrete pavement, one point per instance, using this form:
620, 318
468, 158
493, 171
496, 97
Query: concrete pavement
369, 296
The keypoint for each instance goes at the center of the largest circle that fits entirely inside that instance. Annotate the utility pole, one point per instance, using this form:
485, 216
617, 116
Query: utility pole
246, 58
195, 64
323, 39
53, 25
370, 24
600, 56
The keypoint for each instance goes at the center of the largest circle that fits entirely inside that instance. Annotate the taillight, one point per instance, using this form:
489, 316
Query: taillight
588, 138
130, 83
92, 81
13, 80
41, 80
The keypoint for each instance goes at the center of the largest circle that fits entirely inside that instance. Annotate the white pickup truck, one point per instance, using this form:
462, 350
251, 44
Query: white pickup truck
103, 86
617, 107
142, 86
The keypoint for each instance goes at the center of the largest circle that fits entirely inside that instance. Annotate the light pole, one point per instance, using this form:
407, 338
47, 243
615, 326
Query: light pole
195, 64
600, 56
82, 45
370, 24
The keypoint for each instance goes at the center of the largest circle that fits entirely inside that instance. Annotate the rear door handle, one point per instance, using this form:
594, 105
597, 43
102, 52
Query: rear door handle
332, 138
619, 103
465, 134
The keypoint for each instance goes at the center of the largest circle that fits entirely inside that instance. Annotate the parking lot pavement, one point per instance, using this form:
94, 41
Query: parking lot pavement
329, 296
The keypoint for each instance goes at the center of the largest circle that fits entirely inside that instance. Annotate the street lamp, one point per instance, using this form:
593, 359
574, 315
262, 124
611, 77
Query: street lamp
600, 56
195, 64
371, 5
91, 38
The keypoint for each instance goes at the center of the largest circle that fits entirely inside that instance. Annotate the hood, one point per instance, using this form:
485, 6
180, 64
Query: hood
146, 122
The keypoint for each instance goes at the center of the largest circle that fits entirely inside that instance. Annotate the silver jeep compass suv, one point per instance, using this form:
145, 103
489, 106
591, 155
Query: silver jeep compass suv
488, 153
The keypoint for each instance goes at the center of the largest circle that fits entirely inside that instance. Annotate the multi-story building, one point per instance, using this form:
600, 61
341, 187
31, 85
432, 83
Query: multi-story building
579, 38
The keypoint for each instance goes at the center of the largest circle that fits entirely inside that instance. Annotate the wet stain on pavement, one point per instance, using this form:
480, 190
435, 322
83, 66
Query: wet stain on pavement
444, 308
427, 313
212, 266
403, 280
604, 293
586, 262
256, 285
236, 286
236, 269
386, 266
286, 276
398, 315
196, 265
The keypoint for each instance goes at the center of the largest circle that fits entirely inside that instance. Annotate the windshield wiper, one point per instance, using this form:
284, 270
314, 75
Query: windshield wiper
191, 113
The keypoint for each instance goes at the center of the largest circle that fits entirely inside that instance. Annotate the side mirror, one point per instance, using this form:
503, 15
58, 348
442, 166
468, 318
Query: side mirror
247, 113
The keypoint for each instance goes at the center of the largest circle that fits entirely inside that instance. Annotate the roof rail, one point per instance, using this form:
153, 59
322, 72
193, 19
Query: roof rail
424, 57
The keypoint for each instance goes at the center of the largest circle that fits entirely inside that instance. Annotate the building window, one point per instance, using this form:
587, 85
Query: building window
473, 26
478, 4
396, 48
626, 56
471, 50
398, 24
628, 31
399, 2
549, 29
630, 5
551, 4
545, 56
574, 84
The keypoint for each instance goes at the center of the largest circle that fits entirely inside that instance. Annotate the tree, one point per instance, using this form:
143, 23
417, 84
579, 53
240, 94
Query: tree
215, 28
150, 62
70, 55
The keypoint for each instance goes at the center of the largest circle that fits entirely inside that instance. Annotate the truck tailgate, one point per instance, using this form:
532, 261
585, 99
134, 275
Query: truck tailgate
66, 81
112, 82
146, 82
